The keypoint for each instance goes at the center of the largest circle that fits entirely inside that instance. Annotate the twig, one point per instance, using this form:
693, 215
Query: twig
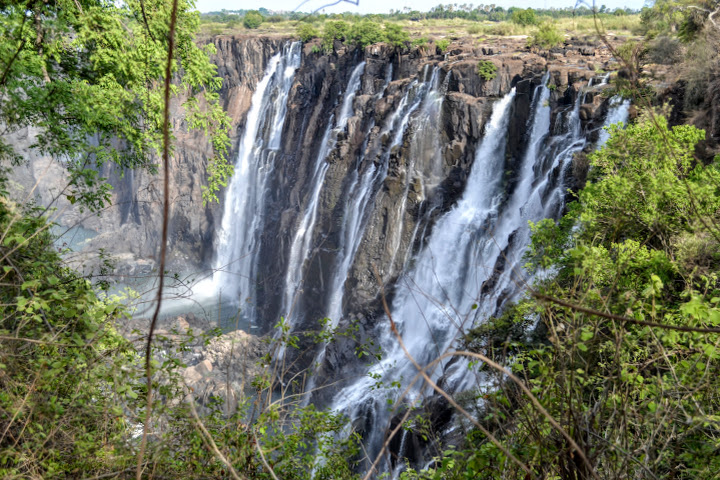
262, 457
163, 241
620, 318
210, 440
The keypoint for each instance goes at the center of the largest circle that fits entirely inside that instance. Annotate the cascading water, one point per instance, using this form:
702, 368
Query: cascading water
471, 265
618, 112
244, 214
360, 193
366, 398
302, 241
465, 270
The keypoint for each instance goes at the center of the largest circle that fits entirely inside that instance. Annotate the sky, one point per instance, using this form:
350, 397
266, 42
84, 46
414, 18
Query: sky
384, 6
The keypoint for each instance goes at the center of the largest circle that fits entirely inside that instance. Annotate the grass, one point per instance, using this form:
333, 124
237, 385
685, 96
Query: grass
454, 29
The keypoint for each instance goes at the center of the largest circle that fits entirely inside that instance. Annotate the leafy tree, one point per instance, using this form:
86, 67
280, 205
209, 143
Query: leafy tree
366, 32
396, 35
252, 19
334, 30
88, 77
307, 32
524, 17
546, 36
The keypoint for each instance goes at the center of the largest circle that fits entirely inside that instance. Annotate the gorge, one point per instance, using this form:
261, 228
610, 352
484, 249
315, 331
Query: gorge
364, 176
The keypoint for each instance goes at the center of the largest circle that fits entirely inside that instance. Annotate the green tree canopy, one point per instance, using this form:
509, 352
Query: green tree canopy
87, 73
252, 19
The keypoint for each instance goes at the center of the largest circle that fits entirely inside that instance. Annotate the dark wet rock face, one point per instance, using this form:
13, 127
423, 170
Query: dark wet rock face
422, 153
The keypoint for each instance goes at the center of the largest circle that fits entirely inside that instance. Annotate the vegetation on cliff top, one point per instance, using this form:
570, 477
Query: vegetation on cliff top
451, 21
619, 376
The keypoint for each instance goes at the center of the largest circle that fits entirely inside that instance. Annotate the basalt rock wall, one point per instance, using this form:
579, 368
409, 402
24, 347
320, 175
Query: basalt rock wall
426, 178
423, 175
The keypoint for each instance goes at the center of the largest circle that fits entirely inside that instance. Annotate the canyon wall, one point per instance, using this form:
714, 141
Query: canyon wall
401, 160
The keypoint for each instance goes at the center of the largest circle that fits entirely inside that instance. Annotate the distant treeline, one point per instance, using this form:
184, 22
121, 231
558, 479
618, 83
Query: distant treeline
465, 11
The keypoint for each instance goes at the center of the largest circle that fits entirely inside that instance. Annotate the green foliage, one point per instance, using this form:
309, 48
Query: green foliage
396, 36
546, 37
524, 17
684, 18
334, 30
364, 33
641, 242
421, 42
306, 32
487, 70
59, 359
442, 44
252, 19
95, 74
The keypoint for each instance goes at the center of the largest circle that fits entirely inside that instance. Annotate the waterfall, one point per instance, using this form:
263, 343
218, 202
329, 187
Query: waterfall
362, 187
471, 264
302, 241
618, 112
365, 399
244, 214
466, 270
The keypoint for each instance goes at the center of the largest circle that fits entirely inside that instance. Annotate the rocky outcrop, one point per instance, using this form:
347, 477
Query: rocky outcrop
215, 368
424, 177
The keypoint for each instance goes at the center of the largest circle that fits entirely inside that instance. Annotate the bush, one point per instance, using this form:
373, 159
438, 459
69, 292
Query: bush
487, 70
546, 36
524, 17
366, 33
275, 19
252, 19
334, 30
442, 44
504, 29
664, 50
421, 42
474, 29
396, 35
306, 32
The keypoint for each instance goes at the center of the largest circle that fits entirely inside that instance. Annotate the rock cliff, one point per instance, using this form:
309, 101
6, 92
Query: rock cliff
415, 177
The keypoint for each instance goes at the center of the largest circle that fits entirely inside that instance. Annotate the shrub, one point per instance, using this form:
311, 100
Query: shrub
275, 19
546, 36
306, 32
442, 44
503, 29
421, 42
366, 33
334, 30
664, 50
524, 17
474, 29
487, 70
396, 35
252, 19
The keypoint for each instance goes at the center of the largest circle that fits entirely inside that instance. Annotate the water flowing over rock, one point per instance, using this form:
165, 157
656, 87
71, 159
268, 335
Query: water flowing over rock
372, 176
415, 182
244, 206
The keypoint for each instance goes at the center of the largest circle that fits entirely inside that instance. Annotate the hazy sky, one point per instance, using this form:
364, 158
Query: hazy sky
383, 6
